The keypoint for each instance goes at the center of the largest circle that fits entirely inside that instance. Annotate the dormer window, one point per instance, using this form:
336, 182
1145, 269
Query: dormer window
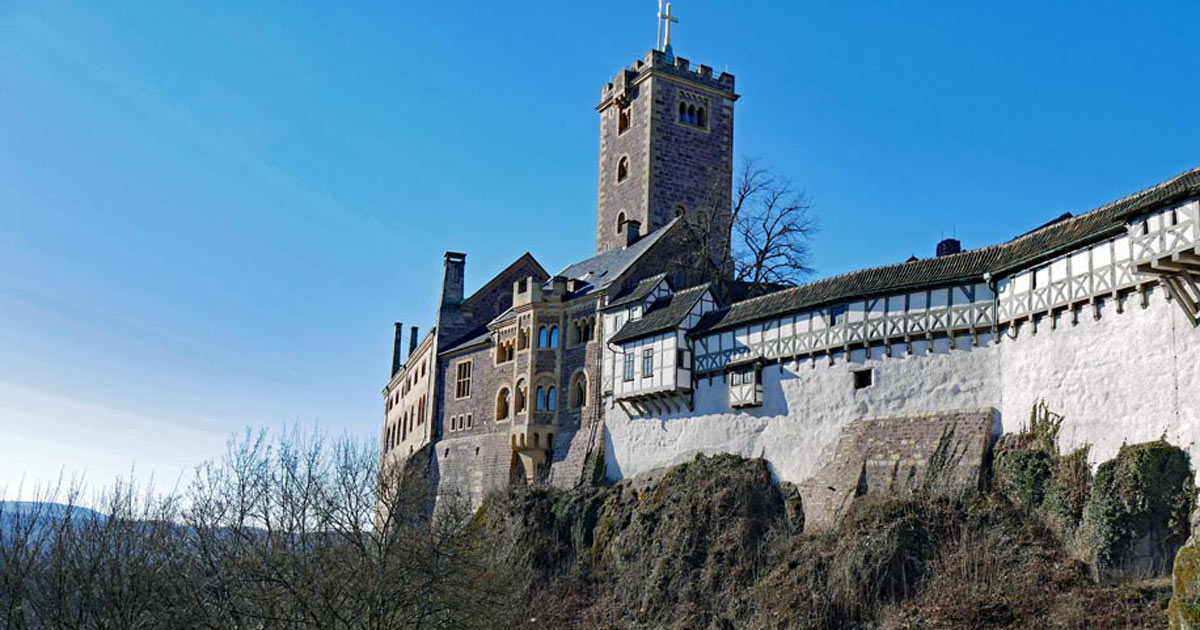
745, 383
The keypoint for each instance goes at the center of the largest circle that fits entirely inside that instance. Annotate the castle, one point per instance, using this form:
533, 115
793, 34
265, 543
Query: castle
631, 360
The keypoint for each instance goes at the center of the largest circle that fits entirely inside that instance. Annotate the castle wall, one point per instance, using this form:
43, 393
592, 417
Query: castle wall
1127, 377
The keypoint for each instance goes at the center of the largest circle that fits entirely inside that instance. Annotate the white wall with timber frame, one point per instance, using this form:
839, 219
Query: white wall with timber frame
1105, 344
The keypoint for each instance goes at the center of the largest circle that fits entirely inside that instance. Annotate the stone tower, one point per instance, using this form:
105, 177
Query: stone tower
666, 147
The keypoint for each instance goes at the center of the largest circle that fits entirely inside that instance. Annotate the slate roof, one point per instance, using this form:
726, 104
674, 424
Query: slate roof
602, 269
638, 292
1049, 241
663, 315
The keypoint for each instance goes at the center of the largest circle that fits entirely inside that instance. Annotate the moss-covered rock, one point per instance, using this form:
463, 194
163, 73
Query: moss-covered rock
1023, 475
1136, 516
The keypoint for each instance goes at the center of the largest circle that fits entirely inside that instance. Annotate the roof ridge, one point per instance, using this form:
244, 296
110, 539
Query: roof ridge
1037, 231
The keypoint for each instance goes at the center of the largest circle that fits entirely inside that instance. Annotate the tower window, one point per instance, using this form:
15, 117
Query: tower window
695, 115
620, 222
622, 169
624, 117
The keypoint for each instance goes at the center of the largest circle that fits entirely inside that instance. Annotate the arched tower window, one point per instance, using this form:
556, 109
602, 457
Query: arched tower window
551, 398
543, 338
624, 117
691, 115
683, 112
540, 405
503, 404
701, 118
553, 337
578, 391
620, 222
522, 397
622, 169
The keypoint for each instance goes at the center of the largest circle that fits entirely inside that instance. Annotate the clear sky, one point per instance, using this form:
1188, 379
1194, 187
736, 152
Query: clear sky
212, 212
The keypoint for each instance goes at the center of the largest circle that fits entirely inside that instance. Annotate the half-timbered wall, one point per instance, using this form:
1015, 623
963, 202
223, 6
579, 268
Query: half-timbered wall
1105, 346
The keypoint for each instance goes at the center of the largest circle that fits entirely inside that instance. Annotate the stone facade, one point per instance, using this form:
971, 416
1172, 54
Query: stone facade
674, 162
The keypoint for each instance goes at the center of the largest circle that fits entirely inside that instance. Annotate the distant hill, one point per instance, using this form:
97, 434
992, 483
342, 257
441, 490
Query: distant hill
12, 512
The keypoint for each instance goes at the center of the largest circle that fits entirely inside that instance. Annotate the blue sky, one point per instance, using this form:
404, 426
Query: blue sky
211, 213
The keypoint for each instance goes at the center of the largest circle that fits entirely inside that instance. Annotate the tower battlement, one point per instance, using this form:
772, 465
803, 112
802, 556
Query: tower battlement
656, 61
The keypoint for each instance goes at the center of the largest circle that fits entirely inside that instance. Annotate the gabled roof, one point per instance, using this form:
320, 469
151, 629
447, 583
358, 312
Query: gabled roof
602, 269
639, 291
663, 315
525, 258
1040, 245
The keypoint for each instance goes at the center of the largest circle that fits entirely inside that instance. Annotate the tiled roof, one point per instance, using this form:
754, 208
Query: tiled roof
602, 269
638, 292
1034, 247
665, 314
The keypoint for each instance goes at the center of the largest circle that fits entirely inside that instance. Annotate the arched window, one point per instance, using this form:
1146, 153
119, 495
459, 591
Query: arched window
700, 117
623, 119
622, 169
543, 338
552, 398
541, 399
554, 336
683, 112
578, 391
591, 331
620, 222
522, 397
503, 404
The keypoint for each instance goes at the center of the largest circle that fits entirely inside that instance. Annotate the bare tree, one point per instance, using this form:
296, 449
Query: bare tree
768, 228
299, 532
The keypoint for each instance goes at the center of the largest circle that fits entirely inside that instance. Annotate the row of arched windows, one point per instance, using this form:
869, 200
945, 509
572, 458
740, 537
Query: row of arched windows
548, 337
583, 330
692, 115
545, 397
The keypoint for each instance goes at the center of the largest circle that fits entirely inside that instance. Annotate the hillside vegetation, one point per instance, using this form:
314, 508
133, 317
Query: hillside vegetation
714, 543
306, 534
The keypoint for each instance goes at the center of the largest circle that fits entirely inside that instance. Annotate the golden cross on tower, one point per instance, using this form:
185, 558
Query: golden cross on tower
664, 26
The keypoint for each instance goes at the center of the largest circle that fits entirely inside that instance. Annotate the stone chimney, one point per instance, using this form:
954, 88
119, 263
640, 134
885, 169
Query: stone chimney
396, 348
633, 231
558, 285
948, 246
452, 282
412, 341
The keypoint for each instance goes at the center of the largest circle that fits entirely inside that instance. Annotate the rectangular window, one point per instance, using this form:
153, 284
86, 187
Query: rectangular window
462, 382
647, 363
628, 366
863, 378
469, 423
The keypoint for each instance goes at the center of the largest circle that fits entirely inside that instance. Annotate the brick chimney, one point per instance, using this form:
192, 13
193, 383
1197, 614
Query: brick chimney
452, 282
633, 231
396, 348
948, 246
